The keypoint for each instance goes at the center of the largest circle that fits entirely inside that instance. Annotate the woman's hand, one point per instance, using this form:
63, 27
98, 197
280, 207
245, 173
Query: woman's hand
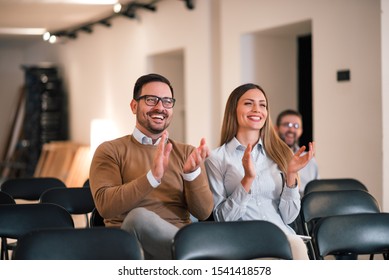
298, 162
249, 170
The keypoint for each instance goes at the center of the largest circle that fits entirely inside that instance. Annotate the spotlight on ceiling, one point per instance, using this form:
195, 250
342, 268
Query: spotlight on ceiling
72, 34
189, 4
130, 9
105, 22
87, 29
149, 7
117, 8
53, 39
46, 36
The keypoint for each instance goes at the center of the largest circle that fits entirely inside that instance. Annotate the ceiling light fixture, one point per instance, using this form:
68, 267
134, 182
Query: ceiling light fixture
117, 8
129, 10
189, 4
105, 22
46, 36
52, 39
87, 29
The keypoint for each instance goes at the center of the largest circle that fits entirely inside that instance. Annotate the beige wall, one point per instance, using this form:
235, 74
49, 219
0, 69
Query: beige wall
100, 69
385, 98
11, 82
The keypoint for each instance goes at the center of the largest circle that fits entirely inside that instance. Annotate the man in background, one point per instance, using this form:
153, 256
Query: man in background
290, 128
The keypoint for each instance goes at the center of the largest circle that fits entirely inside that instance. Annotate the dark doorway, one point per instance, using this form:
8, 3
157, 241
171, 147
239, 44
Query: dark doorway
304, 64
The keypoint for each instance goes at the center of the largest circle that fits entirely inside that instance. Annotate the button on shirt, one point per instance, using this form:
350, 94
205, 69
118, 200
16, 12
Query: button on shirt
269, 198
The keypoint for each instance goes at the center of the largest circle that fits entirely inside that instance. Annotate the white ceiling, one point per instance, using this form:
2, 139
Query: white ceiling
50, 15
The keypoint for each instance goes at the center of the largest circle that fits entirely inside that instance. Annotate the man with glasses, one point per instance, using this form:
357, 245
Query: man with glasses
147, 183
290, 128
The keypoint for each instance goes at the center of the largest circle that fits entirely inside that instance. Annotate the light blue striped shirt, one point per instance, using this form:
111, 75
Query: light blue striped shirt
269, 198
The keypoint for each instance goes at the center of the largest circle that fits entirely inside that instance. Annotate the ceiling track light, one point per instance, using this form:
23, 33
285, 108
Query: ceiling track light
189, 4
105, 22
128, 10
149, 6
72, 34
87, 29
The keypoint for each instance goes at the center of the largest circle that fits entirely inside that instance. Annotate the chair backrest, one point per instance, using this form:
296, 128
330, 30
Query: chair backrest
74, 200
5, 198
322, 204
86, 184
357, 234
19, 219
95, 219
78, 244
30, 188
239, 240
335, 184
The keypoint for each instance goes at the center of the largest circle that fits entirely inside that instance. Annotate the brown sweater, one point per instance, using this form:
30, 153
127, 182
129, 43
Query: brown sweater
118, 183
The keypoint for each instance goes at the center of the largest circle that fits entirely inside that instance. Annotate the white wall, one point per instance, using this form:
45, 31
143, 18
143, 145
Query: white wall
100, 69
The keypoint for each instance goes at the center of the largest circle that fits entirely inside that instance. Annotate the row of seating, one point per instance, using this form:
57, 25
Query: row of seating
342, 222
75, 201
29, 223
46, 232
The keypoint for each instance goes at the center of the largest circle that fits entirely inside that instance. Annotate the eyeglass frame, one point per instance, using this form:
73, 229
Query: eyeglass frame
162, 99
290, 125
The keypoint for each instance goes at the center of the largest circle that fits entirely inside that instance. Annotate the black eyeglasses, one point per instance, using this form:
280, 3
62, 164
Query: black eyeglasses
152, 100
290, 125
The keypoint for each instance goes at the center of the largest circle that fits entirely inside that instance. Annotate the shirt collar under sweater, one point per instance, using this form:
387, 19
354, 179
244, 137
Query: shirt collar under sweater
143, 139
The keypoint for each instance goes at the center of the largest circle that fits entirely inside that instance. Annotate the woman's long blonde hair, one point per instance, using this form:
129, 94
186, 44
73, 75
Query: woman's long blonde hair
274, 146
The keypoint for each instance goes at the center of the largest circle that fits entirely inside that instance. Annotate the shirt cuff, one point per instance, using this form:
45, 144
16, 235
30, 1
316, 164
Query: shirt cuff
191, 176
153, 182
291, 193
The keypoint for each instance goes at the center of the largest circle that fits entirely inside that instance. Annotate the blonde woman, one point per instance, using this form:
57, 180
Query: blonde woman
253, 174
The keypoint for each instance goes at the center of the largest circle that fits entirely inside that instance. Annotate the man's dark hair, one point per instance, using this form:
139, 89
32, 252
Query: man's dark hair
287, 113
145, 79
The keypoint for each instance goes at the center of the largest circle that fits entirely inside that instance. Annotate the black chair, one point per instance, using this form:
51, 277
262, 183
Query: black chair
5, 198
240, 240
332, 184
30, 188
321, 204
356, 234
76, 201
95, 219
86, 184
335, 184
78, 244
19, 219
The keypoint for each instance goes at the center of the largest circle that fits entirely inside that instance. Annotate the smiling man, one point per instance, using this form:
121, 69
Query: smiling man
147, 183
290, 128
